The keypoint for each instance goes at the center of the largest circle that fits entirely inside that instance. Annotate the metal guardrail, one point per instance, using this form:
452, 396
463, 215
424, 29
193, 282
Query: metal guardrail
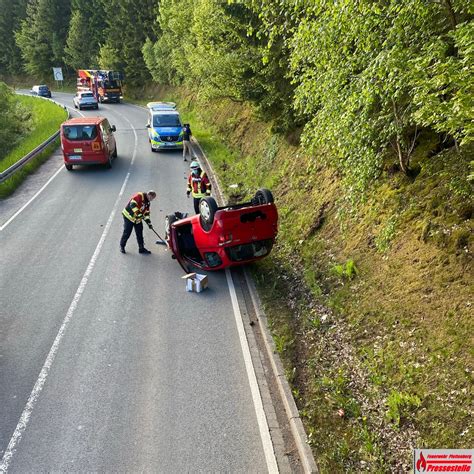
27, 158
34, 153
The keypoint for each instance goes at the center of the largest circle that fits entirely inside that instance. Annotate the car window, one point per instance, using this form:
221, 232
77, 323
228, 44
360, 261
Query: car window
104, 130
80, 132
256, 249
87, 94
166, 121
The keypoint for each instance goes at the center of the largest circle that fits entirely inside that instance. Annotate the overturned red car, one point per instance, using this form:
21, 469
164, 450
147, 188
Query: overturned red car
221, 237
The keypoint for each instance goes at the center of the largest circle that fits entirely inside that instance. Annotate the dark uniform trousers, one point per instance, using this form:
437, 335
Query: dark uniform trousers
127, 230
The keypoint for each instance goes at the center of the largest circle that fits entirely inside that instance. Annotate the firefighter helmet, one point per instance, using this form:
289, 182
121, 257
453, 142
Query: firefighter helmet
194, 165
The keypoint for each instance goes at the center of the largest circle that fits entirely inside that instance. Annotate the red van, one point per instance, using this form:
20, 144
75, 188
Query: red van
88, 141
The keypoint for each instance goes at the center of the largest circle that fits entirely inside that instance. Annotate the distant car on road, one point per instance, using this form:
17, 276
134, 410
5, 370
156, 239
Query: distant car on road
220, 237
85, 100
42, 90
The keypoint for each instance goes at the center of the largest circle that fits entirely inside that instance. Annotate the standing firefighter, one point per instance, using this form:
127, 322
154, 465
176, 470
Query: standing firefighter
187, 142
198, 184
138, 208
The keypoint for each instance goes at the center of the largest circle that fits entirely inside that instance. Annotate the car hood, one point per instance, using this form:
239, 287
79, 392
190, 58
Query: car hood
167, 130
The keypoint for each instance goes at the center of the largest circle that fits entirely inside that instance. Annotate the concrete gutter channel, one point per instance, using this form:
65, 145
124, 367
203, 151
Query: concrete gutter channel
292, 451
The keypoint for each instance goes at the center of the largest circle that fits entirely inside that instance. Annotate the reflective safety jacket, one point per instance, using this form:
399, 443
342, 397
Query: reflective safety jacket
138, 208
199, 185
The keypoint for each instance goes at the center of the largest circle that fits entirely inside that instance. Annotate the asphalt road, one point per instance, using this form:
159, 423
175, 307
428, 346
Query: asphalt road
106, 362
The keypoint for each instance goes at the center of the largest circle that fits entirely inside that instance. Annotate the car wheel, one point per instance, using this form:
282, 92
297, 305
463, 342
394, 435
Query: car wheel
263, 196
207, 211
68, 166
80, 107
109, 162
97, 107
114, 154
168, 221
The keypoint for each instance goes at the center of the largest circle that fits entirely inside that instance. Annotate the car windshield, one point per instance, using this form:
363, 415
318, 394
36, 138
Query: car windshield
166, 121
80, 132
87, 94
239, 253
110, 84
43, 88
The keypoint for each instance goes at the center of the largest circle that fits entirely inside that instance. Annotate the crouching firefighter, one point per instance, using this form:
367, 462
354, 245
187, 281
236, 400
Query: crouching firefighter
137, 209
198, 184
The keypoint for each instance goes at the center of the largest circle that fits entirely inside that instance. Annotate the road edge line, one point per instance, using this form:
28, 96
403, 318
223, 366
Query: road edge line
264, 429
296, 424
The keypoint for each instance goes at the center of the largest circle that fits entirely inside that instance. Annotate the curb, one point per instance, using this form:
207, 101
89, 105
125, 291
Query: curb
299, 434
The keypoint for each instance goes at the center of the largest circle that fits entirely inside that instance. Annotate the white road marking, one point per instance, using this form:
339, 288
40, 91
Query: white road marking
38, 387
257, 400
32, 199
37, 194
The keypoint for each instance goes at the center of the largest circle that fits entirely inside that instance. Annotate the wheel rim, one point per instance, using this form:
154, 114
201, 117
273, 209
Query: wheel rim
205, 210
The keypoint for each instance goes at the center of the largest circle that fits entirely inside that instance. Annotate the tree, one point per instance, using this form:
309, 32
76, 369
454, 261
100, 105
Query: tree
78, 52
14, 120
86, 34
42, 35
166, 57
11, 14
129, 24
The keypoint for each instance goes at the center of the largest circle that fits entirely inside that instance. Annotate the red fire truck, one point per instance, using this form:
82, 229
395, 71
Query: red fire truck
105, 85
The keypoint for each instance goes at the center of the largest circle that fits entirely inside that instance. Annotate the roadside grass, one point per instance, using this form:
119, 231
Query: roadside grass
46, 117
10, 184
369, 302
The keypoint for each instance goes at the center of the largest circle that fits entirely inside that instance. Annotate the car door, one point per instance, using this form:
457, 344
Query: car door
109, 139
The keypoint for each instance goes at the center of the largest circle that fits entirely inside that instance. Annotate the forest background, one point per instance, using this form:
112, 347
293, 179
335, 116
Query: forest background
359, 116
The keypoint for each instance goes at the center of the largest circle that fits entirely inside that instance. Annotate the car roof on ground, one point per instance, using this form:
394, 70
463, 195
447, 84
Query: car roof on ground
83, 121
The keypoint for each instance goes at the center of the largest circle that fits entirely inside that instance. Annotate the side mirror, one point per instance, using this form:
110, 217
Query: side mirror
147, 125
113, 128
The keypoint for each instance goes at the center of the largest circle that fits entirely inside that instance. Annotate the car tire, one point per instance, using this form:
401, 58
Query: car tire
68, 166
114, 154
80, 108
263, 196
108, 165
168, 221
207, 211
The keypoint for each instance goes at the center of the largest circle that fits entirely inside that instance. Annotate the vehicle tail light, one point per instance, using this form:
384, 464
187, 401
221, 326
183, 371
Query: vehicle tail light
225, 239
